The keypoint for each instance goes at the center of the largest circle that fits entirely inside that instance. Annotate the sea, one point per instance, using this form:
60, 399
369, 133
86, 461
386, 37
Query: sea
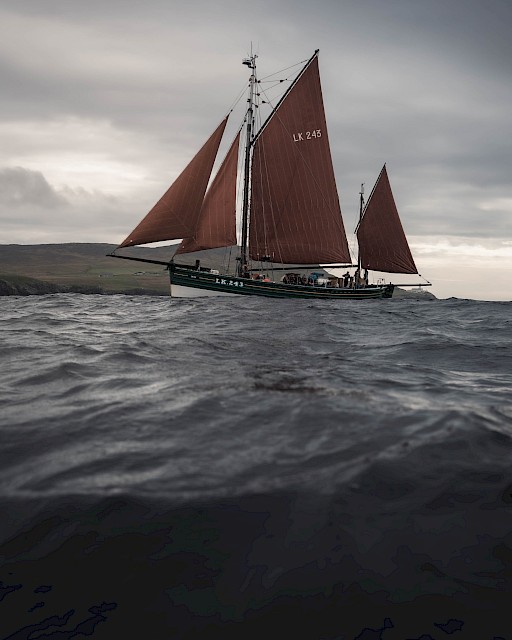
241, 468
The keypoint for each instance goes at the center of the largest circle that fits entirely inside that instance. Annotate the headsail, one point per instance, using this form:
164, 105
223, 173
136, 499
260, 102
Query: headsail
295, 215
382, 242
216, 226
175, 215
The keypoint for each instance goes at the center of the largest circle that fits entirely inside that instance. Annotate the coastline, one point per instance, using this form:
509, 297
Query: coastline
14, 285
87, 268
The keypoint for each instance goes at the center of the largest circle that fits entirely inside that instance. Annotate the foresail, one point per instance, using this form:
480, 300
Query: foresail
382, 242
175, 215
216, 226
295, 214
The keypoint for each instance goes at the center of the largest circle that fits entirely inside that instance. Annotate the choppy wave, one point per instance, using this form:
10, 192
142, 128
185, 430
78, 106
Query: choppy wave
221, 468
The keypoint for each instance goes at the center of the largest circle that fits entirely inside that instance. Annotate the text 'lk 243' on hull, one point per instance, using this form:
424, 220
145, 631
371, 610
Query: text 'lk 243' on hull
290, 211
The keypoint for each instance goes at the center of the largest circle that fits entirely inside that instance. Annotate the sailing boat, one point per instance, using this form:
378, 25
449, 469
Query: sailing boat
290, 211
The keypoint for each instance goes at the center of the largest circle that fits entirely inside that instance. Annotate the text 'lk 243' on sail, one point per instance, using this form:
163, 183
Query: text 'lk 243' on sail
290, 221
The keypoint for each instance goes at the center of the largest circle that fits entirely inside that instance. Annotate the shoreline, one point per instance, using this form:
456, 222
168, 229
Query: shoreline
24, 286
15, 285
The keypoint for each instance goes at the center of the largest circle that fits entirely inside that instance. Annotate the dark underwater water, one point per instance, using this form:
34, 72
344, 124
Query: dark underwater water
242, 468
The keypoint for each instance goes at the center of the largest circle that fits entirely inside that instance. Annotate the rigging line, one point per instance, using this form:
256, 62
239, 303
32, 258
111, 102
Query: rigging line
352, 240
240, 179
258, 113
255, 223
270, 101
226, 264
282, 88
296, 64
277, 81
277, 84
265, 175
353, 247
237, 100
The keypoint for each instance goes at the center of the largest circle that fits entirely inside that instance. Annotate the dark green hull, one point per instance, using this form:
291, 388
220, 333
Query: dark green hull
189, 283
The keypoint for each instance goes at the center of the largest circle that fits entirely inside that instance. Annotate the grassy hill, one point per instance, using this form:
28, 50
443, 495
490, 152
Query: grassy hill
87, 266
83, 265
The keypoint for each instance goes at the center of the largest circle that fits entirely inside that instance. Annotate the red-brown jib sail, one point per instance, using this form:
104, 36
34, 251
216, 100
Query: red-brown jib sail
175, 215
216, 226
295, 215
382, 242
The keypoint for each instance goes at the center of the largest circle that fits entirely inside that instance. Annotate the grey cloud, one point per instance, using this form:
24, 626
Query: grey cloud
423, 86
32, 210
20, 187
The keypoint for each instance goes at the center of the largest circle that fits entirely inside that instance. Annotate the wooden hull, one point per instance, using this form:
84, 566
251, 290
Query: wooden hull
191, 283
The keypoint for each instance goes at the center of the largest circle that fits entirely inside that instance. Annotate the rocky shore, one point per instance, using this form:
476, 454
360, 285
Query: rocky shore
25, 286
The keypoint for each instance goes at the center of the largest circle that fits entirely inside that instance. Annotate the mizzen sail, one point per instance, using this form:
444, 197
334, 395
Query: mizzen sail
382, 242
295, 215
175, 215
216, 226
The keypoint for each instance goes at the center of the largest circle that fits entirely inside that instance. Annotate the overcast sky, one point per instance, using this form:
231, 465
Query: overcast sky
105, 101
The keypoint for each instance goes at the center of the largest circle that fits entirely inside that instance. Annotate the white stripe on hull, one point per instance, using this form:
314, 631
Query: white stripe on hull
179, 291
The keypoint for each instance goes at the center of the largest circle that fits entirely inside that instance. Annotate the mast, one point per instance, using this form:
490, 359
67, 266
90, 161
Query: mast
359, 260
361, 206
242, 267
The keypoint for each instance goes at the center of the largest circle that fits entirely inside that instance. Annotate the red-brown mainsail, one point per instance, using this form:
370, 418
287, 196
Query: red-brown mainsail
295, 213
216, 226
175, 215
382, 242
